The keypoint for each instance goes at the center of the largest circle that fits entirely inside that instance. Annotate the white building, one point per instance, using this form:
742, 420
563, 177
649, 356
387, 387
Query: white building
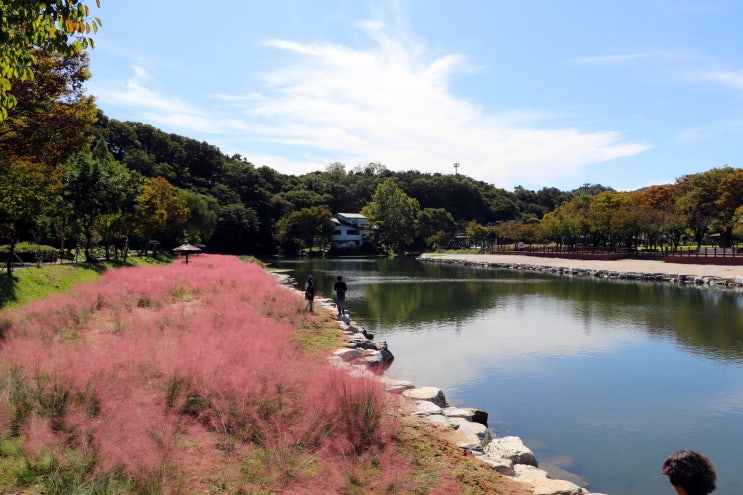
350, 230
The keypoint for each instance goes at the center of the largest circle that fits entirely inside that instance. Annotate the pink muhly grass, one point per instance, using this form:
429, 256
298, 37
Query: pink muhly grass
39, 437
150, 355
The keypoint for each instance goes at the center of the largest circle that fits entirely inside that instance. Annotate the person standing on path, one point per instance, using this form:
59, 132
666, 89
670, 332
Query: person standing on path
309, 292
340, 289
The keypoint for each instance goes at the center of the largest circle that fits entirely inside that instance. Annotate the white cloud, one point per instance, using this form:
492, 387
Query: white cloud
134, 93
733, 79
388, 103
639, 56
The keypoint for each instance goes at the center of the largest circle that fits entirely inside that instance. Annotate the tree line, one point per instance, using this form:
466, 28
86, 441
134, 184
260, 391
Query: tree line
76, 179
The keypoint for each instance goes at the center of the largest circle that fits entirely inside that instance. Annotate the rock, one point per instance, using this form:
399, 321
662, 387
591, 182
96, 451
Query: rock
431, 394
501, 465
374, 359
386, 354
397, 386
475, 432
474, 447
366, 344
512, 448
543, 484
347, 354
438, 420
426, 408
471, 414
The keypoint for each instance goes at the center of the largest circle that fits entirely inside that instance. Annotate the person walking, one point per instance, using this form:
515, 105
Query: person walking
309, 293
340, 289
690, 472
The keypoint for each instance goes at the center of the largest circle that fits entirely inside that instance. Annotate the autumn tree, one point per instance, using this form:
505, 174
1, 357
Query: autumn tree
56, 26
476, 232
52, 113
393, 214
697, 200
658, 216
162, 211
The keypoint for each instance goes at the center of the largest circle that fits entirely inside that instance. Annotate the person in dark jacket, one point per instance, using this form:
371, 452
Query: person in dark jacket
340, 289
309, 292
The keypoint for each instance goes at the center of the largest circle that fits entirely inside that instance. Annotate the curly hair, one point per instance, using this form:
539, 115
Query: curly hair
692, 471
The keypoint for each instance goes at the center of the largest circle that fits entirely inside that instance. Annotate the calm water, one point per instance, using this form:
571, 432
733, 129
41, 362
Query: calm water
602, 379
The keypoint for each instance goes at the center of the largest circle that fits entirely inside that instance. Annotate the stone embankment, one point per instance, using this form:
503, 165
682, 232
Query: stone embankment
606, 271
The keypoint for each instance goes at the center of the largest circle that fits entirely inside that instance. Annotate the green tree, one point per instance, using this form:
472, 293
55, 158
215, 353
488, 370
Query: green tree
236, 230
305, 228
434, 227
162, 211
730, 205
27, 190
97, 190
203, 214
393, 215
58, 26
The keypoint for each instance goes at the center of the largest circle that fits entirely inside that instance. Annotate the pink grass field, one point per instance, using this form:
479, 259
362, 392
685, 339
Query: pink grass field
190, 376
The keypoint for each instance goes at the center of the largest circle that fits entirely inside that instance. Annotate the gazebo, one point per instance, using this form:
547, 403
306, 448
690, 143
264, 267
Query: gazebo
187, 249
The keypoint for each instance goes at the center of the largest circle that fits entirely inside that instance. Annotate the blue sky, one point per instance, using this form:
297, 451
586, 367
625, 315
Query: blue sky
521, 92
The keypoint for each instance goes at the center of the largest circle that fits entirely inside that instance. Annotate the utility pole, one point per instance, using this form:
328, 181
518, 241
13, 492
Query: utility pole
456, 168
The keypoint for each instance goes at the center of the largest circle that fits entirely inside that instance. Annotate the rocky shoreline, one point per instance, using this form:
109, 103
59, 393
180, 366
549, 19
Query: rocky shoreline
362, 355
715, 276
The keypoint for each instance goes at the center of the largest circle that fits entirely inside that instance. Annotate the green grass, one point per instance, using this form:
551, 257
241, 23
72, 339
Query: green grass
31, 283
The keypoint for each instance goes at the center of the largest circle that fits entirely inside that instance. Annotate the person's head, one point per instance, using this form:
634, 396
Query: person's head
309, 277
690, 471
339, 278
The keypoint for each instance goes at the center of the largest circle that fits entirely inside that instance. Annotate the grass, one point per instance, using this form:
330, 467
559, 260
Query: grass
32, 282
201, 378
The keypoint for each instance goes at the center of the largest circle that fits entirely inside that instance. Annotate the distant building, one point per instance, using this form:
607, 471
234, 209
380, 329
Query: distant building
350, 230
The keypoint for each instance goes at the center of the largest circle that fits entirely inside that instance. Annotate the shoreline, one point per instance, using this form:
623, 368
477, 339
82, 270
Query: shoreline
465, 428
719, 276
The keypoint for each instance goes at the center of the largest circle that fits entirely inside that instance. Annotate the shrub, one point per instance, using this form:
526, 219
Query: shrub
31, 253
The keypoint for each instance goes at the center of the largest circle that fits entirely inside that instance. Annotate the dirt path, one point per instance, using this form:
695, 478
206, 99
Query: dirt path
626, 265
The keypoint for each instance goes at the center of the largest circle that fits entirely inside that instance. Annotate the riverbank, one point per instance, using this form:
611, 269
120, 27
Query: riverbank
730, 276
425, 408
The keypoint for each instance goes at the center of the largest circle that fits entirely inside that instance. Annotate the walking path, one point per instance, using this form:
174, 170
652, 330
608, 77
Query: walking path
623, 265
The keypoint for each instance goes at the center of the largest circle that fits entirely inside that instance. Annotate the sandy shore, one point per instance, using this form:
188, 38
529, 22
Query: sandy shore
625, 265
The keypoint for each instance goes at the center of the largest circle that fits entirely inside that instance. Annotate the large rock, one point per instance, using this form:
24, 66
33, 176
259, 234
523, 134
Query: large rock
501, 465
347, 354
543, 484
469, 413
512, 448
431, 394
426, 408
474, 432
395, 386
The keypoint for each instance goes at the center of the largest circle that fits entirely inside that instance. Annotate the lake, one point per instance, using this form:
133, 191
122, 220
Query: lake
602, 379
